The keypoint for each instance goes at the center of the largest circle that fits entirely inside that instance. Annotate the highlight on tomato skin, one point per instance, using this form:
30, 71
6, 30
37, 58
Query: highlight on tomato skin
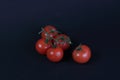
55, 54
81, 54
42, 45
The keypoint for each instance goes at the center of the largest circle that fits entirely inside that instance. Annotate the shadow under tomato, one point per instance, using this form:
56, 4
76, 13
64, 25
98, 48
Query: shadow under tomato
68, 53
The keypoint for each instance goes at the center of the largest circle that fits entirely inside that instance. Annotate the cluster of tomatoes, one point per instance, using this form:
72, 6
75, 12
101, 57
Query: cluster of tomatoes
53, 44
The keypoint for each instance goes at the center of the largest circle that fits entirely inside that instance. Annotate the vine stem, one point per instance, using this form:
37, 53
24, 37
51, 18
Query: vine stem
41, 31
44, 31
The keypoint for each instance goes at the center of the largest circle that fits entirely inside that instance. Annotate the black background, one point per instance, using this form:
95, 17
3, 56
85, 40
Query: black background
92, 22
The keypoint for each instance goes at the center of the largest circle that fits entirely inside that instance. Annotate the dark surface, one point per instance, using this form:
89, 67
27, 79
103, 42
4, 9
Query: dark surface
95, 23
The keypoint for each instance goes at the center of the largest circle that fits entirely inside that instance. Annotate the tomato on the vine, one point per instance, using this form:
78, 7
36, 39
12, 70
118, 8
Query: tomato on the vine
63, 41
81, 54
49, 31
42, 46
55, 54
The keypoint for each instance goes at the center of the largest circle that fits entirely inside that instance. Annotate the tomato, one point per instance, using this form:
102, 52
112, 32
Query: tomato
42, 46
55, 54
49, 32
81, 54
63, 41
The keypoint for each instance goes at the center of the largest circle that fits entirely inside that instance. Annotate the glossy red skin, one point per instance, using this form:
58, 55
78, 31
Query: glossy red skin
42, 47
55, 54
47, 29
65, 45
83, 55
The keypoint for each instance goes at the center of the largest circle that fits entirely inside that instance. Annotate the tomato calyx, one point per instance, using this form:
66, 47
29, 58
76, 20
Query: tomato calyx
68, 40
42, 30
47, 34
47, 41
64, 39
79, 47
51, 31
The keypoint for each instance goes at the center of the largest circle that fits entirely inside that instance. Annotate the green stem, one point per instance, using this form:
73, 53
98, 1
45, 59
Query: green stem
46, 41
79, 47
41, 31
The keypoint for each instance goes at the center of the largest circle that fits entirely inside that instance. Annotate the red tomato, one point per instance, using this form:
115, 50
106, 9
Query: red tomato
81, 54
42, 46
63, 41
49, 32
55, 54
